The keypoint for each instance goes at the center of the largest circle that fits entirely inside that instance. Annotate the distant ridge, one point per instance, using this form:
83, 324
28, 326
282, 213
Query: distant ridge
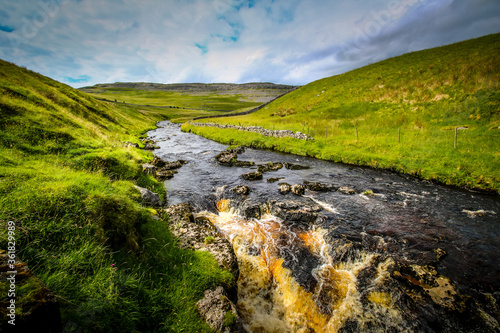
192, 87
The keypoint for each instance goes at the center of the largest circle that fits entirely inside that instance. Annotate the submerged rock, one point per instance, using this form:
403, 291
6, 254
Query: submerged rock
256, 175
218, 311
148, 197
274, 179
291, 166
319, 187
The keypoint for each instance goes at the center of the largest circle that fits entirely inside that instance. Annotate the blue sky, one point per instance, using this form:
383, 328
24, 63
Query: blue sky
84, 42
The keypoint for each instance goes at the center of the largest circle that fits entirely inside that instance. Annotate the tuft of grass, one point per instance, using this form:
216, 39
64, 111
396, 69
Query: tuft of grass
398, 114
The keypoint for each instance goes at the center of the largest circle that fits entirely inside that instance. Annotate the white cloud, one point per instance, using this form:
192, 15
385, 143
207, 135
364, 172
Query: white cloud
285, 41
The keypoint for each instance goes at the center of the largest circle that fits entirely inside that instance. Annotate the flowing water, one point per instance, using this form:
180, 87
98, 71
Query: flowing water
400, 254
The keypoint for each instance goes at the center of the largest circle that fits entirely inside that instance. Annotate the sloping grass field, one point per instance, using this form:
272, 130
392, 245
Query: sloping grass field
399, 114
66, 182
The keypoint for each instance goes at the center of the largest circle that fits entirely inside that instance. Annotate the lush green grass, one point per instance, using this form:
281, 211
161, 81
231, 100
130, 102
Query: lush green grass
66, 180
422, 95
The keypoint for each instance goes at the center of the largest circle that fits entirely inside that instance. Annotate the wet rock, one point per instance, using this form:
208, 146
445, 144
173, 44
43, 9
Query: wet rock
37, 308
242, 164
294, 211
271, 166
252, 210
149, 169
173, 165
319, 187
236, 150
274, 179
347, 190
148, 197
301, 262
291, 166
163, 175
218, 311
226, 157
284, 188
256, 175
298, 189
241, 189
158, 162
150, 146
196, 235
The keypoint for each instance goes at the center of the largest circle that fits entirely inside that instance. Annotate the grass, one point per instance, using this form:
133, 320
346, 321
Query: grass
67, 182
404, 111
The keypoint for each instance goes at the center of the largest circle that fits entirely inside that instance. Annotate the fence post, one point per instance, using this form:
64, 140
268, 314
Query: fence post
455, 143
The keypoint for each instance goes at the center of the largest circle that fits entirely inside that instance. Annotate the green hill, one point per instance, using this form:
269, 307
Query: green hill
397, 114
67, 184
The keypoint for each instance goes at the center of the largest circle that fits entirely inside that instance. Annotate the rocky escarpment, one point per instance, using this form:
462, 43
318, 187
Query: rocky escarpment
260, 130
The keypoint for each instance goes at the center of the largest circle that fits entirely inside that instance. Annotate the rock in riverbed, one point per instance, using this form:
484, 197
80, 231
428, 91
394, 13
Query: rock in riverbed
218, 311
256, 175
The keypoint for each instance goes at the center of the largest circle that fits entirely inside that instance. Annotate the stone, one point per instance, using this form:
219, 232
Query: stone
347, 190
163, 175
294, 211
242, 164
298, 189
226, 157
218, 311
271, 166
148, 197
256, 175
284, 188
158, 162
319, 187
241, 189
236, 150
291, 166
274, 179
172, 165
149, 169
150, 146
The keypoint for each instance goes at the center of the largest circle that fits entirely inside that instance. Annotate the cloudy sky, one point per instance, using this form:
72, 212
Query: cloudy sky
84, 42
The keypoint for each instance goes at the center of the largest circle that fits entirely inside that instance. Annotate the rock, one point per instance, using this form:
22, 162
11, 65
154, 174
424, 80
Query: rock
236, 150
37, 308
256, 175
242, 164
149, 198
226, 157
218, 311
290, 166
158, 162
241, 189
298, 189
294, 211
319, 187
284, 188
274, 179
130, 144
149, 169
173, 165
150, 146
192, 234
347, 190
163, 175
271, 166
251, 210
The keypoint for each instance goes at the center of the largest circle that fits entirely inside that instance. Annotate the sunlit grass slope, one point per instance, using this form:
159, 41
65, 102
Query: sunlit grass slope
397, 114
66, 180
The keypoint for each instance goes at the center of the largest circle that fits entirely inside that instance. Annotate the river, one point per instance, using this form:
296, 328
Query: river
361, 250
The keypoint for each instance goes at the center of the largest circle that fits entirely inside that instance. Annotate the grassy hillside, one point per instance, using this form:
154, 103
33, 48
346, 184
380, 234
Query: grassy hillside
398, 114
209, 97
66, 181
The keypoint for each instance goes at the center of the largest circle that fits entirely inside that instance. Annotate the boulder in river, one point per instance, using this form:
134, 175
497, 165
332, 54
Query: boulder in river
298, 189
274, 179
226, 157
284, 188
256, 175
347, 190
148, 197
271, 166
241, 189
163, 175
294, 211
291, 166
319, 187
218, 311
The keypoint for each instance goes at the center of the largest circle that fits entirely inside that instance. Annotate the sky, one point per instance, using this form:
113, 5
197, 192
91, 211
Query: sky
85, 42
